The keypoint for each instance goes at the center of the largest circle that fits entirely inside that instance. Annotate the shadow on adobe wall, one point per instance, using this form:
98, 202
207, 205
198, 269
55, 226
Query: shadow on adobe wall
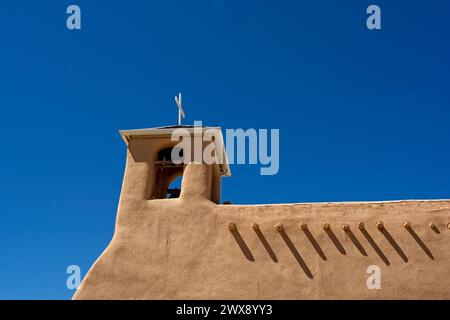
394, 244
421, 243
266, 245
314, 243
356, 242
244, 248
249, 256
375, 246
335, 241
295, 253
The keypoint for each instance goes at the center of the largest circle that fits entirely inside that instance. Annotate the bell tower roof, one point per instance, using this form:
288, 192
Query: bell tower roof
166, 131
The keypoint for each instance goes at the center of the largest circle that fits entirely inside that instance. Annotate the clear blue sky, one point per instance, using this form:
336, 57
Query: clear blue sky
363, 115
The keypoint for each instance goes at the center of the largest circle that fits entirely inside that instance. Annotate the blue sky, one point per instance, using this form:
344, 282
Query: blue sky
363, 115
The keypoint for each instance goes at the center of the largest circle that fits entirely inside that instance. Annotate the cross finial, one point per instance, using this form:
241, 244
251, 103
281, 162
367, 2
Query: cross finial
180, 108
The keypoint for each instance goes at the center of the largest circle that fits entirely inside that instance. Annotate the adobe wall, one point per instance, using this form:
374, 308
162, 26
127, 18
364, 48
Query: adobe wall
183, 248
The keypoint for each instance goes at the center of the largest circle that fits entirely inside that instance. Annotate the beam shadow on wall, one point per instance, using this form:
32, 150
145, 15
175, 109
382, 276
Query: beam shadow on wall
421, 243
375, 246
244, 248
296, 254
335, 241
356, 242
314, 243
394, 244
266, 245
435, 229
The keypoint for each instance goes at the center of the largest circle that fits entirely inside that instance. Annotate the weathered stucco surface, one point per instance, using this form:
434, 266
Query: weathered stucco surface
183, 248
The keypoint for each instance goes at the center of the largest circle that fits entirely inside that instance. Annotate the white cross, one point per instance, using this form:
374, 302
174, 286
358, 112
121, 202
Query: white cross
180, 108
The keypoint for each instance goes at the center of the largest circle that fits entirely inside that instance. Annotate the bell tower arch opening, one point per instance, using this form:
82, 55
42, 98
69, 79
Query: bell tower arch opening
168, 172
151, 173
174, 189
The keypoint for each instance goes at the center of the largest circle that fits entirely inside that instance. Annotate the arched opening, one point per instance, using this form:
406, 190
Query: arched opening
165, 154
174, 189
168, 174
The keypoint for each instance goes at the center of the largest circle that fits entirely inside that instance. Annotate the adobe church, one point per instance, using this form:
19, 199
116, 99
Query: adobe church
187, 244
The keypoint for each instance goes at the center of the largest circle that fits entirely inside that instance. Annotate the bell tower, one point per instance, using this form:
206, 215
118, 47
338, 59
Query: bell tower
150, 167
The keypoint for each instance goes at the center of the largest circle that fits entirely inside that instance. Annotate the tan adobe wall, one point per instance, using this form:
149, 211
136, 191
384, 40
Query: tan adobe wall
183, 248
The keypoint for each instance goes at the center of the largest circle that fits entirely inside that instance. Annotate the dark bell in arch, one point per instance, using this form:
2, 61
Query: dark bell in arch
166, 154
